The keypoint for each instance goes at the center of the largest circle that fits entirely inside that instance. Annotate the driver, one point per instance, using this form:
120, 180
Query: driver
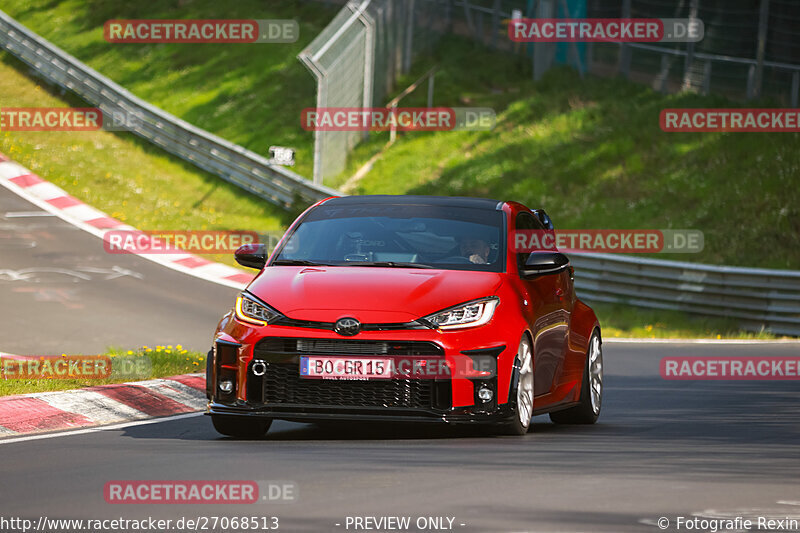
477, 250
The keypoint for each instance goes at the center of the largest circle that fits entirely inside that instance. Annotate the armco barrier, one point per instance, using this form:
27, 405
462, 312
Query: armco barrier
757, 298
229, 161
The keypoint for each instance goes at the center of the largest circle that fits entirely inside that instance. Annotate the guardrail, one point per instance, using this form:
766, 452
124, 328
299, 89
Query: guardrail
229, 161
758, 298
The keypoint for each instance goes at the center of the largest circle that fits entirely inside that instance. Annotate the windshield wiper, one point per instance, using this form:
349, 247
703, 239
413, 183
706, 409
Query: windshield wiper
390, 264
297, 262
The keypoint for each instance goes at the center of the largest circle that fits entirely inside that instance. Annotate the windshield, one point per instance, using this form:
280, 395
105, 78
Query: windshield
413, 236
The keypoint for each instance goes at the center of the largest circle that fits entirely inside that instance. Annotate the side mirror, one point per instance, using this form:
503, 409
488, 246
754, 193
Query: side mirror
541, 214
252, 255
539, 263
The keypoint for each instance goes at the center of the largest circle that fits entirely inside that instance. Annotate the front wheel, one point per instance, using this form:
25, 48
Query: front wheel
588, 410
241, 427
522, 395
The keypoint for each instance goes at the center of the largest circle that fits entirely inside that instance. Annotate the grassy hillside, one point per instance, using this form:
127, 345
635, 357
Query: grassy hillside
251, 94
591, 152
124, 176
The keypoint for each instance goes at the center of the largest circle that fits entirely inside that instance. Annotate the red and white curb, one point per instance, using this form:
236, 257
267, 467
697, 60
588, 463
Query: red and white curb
55, 200
101, 405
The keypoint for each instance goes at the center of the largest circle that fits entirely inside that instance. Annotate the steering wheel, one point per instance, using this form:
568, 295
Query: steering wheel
456, 259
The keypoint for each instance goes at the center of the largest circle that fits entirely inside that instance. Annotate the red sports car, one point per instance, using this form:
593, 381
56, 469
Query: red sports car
414, 308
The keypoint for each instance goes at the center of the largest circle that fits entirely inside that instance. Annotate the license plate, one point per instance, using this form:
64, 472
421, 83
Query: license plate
352, 368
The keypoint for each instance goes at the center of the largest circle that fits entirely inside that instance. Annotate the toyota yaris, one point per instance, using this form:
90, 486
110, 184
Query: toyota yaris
413, 308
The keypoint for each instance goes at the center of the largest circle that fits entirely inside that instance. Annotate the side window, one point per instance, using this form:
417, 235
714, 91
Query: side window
526, 221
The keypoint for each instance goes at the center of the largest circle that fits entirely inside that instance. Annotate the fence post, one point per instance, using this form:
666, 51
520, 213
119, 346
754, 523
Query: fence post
664, 73
393, 130
687, 82
543, 52
430, 89
369, 62
481, 35
624, 50
495, 23
763, 20
707, 77
468, 16
795, 87
409, 38
751, 82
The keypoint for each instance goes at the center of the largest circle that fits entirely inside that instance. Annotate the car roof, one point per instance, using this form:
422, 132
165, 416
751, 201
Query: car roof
401, 199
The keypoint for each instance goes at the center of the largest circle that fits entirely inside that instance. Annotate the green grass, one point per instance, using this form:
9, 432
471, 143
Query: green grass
589, 151
162, 361
126, 177
250, 94
624, 321
592, 154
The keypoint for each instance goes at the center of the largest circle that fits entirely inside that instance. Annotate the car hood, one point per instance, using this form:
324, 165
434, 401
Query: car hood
369, 294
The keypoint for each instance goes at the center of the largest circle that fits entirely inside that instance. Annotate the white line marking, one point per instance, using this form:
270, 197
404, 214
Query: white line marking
98, 428
25, 214
623, 340
183, 394
10, 170
83, 212
60, 213
46, 191
97, 407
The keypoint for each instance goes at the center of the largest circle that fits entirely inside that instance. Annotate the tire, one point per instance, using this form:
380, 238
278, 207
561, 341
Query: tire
209, 385
522, 393
241, 427
588, 409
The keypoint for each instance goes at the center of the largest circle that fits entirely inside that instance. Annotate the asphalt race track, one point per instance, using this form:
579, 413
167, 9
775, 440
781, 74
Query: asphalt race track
61, 292
661, 448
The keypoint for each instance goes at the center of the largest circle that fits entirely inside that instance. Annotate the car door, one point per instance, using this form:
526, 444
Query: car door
549, 298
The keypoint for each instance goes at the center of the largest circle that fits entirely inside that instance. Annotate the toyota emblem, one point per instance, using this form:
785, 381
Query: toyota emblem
347, 326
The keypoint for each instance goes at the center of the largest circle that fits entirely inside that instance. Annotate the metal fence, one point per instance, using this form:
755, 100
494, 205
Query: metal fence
756, 298
356, 61
750, 48
229, 161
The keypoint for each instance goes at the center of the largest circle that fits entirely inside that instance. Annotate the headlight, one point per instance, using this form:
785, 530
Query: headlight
253, 312
466, 315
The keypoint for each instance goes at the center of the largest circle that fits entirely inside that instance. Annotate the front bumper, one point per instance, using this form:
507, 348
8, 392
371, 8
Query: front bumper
301, 413
281, 394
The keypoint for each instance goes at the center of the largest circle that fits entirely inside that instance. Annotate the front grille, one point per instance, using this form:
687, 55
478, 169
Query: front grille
279, 345
282, 384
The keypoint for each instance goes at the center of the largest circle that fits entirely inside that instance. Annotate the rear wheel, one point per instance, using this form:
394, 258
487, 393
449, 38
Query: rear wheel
523, 392
241, 427
588, 410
